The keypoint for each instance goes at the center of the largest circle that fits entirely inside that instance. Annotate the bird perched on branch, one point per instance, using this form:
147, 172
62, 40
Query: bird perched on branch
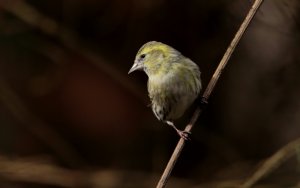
173, 81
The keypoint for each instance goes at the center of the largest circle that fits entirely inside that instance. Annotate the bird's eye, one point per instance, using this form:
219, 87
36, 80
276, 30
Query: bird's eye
143, 56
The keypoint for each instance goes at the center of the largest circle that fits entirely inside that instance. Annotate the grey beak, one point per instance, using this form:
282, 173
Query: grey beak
136, 66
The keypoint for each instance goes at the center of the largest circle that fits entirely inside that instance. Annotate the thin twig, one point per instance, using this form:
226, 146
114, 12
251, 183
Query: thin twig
68, 38
164, 178
272, 163
43, 172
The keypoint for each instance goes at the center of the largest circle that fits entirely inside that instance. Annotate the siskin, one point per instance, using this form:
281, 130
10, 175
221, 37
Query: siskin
173, 81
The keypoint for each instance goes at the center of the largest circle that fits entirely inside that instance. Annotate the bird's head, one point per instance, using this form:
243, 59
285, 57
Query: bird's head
154, 58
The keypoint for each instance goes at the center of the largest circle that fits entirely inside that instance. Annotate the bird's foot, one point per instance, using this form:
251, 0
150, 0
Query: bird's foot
184, 134
202, 101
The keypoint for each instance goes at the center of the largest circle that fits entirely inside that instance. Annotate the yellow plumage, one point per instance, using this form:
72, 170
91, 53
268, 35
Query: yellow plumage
173, 80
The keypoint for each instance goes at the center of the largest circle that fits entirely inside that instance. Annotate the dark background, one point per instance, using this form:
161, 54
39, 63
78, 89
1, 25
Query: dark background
66, 99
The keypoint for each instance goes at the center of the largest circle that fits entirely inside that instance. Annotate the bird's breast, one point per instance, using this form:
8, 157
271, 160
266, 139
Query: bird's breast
170, 97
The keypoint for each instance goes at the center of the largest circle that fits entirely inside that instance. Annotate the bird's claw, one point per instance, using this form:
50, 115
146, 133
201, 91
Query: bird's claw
203, 102
184, 134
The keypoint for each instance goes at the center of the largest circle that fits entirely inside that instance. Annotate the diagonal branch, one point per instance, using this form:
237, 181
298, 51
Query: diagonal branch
28, 14
211, 85
278, 158
38, 127
39, 172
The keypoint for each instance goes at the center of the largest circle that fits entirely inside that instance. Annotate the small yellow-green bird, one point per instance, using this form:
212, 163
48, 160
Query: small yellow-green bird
173, 81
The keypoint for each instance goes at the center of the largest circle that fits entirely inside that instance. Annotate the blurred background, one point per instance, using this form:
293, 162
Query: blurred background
70, 116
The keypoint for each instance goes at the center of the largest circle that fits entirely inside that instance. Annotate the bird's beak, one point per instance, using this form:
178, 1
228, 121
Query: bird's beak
136, 66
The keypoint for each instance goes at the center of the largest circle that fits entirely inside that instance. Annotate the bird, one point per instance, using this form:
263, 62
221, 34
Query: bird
174, 81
